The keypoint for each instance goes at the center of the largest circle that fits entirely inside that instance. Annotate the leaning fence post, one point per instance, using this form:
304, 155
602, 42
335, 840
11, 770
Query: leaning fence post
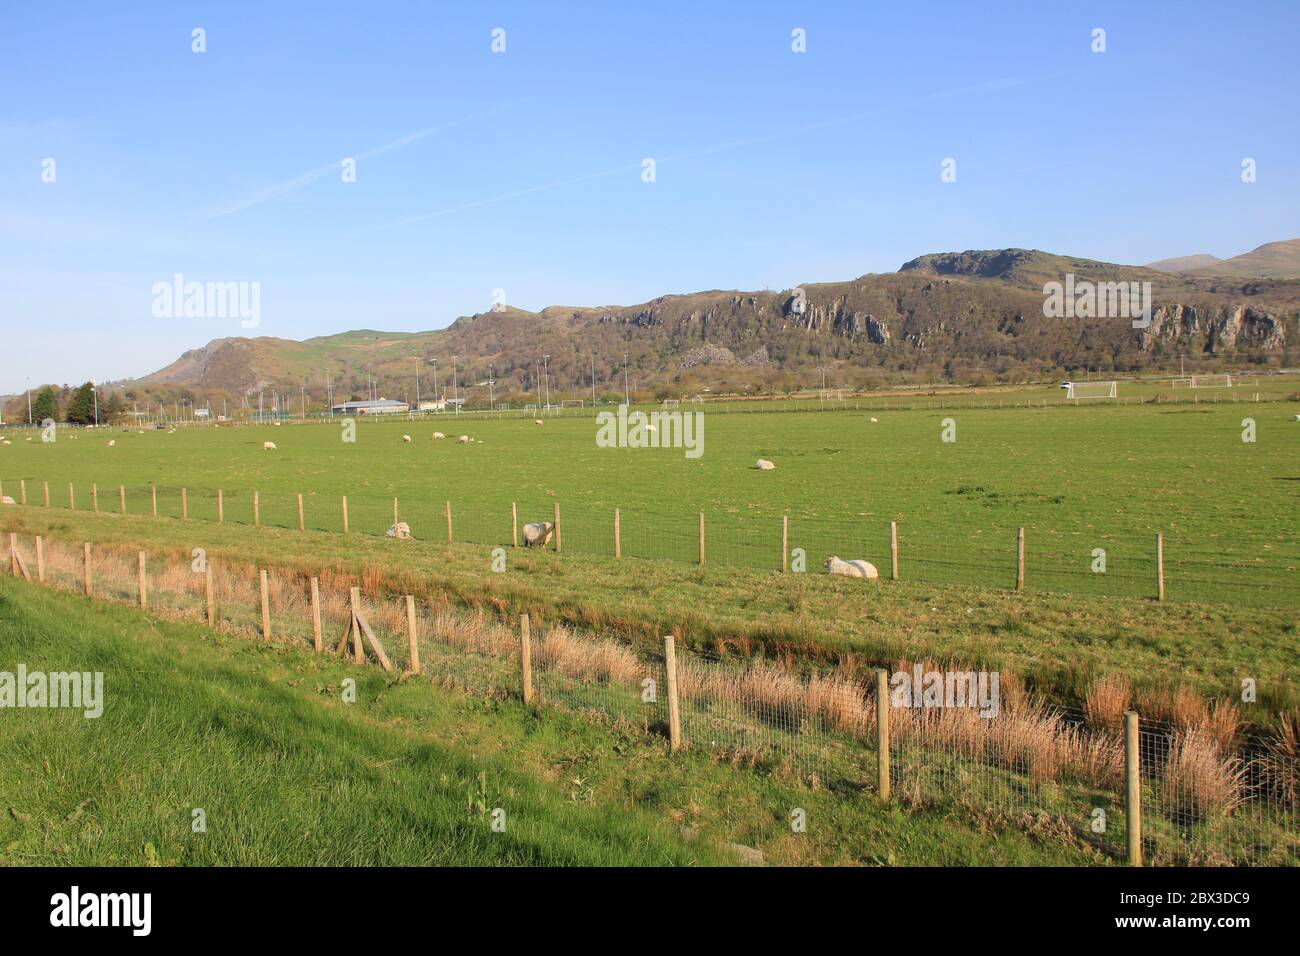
893, 550
412, 634
526, 658
618, 535
785, 543
1133, 794
208, 597
1020, 559
345, 514
556, 509
315, 614
266, 606
882, 733
257, 510
514, 524
670, 678
1160, 567
449, 522
143, 584
302, 523
40, 559
85, 561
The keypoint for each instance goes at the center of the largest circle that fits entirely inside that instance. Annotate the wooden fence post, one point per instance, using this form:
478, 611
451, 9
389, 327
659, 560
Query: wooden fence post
514, 524
882, 733
121, 499
94, 498
526, 658
412, 634
257, 510
13, 554
143, 584
85, 563
185, 504
701, 538
221, 506
47, 493
315, 614
40, 559
302, 520
1020, 559
618, 535
72, 498
394, 512
266, 606
1160, 567
449, 522
670, 678
893, 550
556, 511
153, 496
354, 599
345, 514
785, 543
208, 596
22, 491
1133, 791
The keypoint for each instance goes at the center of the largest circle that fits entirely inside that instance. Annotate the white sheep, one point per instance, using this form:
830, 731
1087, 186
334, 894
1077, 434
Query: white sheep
268, 446
438, 436
764, 465
400, 530
112, 443
6, 500
874, 420
463, 440
407, 439
537, 533
538, 421
852, 569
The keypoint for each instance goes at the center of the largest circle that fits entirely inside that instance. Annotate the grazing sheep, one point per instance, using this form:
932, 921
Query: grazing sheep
538, 533
268, 446
852, 569
463, 440
112, 443
874, 420
407, 439
538, 421
400, 530
438, 436
764, 465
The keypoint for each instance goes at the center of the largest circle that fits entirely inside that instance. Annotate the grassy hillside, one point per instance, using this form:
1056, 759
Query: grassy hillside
288, 774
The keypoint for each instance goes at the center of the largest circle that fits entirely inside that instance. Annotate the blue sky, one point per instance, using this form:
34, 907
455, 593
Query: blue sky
522, 170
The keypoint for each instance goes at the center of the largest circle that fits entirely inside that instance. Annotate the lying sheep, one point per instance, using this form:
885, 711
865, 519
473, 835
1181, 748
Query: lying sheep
538, 533
463, 440
400, 530
852, 569
538, 421
6, 500
407, 439
112, 443
438, 436
764, 465
268, 446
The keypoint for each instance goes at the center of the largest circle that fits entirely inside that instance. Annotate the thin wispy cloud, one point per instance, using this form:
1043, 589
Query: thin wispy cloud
989, 87
303, 180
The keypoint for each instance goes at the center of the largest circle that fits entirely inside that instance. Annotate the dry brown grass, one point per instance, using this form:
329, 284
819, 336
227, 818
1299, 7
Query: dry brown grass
1107, 700
1199, 782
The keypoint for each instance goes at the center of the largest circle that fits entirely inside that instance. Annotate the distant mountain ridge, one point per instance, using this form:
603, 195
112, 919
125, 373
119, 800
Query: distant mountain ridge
954, 315
1273, 260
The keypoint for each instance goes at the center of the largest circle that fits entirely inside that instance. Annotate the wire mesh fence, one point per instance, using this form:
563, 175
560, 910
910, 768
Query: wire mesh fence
1213, 789
1257, 569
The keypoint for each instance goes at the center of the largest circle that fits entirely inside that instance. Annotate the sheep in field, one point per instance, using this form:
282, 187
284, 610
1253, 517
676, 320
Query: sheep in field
538, 421
112, 443
407, 439
268, 446
538, 533
438, 436
463, 440
6, 500
852, 569
764, 465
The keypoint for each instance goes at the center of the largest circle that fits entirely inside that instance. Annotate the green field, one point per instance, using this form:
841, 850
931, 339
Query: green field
1076, 478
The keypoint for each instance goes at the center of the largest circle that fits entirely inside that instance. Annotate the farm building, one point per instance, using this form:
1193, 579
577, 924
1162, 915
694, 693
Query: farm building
382, 406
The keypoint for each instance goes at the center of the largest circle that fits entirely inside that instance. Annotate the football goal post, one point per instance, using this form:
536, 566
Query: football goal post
1221, 380
1078, 390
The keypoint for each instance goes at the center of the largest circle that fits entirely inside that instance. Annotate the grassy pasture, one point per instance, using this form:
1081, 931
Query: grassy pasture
1077, 478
